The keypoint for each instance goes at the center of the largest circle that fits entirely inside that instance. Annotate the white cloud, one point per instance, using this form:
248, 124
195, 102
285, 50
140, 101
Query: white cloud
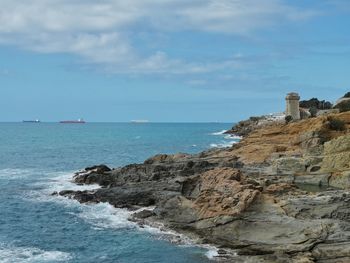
100, 32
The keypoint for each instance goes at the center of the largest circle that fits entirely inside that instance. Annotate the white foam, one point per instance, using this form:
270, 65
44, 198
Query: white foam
11, 254
63, 181
219, 132
232, 136
223, 144
230, 139
212, 252
100, 216
56, 182
104, 216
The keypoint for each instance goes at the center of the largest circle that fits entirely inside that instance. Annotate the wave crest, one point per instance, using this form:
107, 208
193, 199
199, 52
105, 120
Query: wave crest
11, 254
219, 132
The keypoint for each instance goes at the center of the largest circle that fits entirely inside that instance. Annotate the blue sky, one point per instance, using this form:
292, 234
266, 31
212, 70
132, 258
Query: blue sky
168, 60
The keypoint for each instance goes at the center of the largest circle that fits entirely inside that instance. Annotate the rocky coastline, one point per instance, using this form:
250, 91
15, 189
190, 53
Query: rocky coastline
280, 195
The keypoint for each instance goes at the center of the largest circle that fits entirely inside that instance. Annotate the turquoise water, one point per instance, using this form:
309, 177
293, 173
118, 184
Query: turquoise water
37, 159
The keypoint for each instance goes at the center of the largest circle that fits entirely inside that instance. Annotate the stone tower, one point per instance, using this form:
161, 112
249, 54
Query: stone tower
292, 109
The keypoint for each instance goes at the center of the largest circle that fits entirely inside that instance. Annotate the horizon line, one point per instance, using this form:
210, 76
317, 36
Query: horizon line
129, 122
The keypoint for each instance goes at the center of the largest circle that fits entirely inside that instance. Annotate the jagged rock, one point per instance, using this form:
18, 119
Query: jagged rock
98, 174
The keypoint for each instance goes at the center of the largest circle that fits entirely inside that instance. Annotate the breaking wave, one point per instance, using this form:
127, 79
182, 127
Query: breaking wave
12, 254
223, 144
219, 132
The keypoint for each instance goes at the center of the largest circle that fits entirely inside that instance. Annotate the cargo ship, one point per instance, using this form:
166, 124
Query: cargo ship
32, 121
73, 121
139, 121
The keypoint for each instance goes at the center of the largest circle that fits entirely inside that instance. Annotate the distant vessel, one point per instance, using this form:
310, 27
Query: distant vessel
33, 121
73, 121
139, 121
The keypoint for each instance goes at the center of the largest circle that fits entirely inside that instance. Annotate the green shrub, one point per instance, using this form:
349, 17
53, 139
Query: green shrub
288, 119
336, 124
313, 111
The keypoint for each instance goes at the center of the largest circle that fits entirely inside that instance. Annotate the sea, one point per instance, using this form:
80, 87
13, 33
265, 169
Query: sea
37, 159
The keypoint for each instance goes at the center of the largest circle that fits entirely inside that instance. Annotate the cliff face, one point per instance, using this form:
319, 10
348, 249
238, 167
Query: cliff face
294, 139
268, 197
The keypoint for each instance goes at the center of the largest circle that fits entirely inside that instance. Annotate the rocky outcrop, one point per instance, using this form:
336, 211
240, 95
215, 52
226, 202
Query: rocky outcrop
315, 103
244, 128
337, 161
270, 198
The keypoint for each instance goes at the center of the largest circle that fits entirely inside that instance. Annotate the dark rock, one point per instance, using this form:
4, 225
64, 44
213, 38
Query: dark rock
315, 103
144, 214
315, 168
67, 193
98, 168
222, 252
98, 174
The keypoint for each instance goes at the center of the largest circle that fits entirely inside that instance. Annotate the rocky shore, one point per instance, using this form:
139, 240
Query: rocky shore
280, 195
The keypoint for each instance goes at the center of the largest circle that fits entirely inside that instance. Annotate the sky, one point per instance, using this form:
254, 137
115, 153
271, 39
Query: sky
168, 60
